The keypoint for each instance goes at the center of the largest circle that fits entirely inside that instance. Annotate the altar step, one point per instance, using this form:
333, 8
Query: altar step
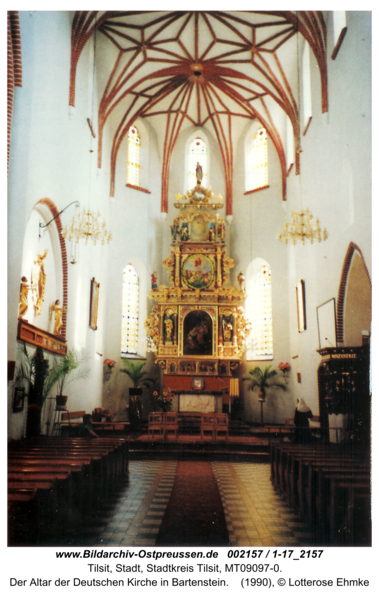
229, 451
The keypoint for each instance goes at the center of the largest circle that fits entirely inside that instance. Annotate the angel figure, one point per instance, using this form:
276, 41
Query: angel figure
59, 310
38, 282
23, 302
241, 281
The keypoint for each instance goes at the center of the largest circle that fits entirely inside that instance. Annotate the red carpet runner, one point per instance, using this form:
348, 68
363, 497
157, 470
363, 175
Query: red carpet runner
194, 515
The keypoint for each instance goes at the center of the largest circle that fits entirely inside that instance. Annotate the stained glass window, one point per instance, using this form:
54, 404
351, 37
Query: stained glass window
261, 336
257, 167
134, 152
197, 153
130, 311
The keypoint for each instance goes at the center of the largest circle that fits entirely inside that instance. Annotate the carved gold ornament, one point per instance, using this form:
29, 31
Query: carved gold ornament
38, 282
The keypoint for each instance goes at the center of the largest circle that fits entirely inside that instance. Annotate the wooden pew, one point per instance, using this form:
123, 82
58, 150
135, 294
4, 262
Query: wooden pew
340, 507
114, 449
315, 490
77, 473
329, 484
30, 505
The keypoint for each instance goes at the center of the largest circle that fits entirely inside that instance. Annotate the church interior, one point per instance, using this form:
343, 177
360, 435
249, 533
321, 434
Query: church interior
189, 278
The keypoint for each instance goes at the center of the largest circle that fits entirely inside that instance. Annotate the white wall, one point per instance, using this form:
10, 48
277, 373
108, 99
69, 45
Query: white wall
50, 157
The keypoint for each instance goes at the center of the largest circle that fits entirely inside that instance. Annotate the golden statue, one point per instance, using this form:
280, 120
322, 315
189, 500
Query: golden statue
241, 281
38, 282
23, 302
169, 328
58, 316
199, 173
154, 280
221, 231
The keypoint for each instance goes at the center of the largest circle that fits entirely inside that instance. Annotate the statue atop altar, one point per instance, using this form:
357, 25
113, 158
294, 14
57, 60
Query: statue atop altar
197, 326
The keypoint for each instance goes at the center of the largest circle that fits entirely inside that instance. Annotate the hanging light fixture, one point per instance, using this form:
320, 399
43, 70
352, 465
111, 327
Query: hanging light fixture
302, 226
87, 225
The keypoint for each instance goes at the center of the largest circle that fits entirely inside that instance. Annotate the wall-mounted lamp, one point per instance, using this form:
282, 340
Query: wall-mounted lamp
44, 225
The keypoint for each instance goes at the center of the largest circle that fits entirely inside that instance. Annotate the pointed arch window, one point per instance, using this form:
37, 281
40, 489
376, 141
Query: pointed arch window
130, 311
261, 345
134, 156
197, 153
256, 161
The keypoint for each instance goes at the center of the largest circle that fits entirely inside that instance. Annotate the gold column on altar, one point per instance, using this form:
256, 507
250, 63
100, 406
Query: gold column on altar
219, 270
177, 266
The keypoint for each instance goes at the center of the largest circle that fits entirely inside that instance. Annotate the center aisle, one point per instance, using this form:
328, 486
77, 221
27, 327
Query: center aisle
194, 515
255, 514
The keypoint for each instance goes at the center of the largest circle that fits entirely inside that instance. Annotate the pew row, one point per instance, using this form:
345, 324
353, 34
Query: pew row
330, 485
55, 483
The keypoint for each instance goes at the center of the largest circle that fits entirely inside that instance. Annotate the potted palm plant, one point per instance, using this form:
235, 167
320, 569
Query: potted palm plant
140, 379
263, 380
64, 371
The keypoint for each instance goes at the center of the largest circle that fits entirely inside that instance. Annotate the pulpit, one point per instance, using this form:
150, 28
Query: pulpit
344, 389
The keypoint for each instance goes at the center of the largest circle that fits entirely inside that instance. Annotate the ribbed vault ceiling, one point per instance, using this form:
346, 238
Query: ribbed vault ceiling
200, 68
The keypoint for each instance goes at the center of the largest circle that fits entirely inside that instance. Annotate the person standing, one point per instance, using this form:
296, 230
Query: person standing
302, 415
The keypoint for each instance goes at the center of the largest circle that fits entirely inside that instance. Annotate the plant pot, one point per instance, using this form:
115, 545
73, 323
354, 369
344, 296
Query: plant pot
61, 401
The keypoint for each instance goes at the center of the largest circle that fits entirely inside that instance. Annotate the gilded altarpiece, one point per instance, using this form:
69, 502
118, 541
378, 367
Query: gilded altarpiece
197, 326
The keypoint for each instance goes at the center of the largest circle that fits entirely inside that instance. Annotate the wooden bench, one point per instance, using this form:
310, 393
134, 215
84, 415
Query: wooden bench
99, 451
330, 485
60, 481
